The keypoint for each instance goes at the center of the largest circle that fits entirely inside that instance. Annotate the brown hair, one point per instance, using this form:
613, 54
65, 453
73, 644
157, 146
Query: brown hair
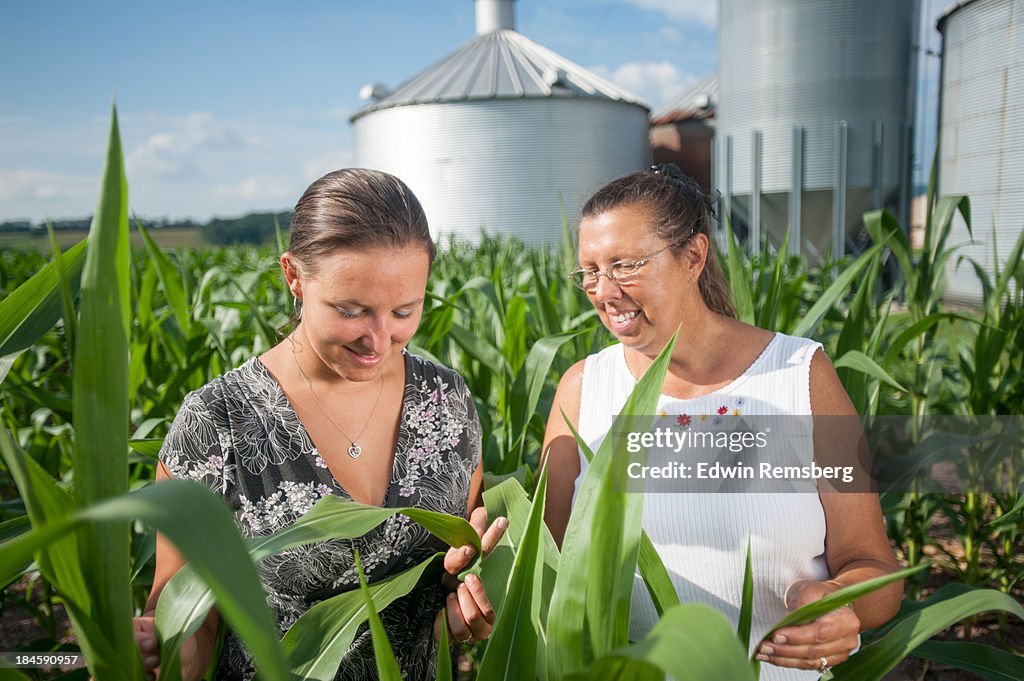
356, 208
679, 210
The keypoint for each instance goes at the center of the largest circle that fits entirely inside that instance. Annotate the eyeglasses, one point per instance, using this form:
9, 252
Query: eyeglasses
622, 272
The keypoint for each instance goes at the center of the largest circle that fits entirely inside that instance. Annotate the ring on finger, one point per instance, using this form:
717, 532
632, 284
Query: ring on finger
824, 666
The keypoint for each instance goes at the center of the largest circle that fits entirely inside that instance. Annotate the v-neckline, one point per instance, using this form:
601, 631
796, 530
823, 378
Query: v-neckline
324, 474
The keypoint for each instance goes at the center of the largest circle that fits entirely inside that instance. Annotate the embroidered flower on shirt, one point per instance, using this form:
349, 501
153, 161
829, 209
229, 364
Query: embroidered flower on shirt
736, 412
320, 463
723, 409
662, 413
703, 418
684, 420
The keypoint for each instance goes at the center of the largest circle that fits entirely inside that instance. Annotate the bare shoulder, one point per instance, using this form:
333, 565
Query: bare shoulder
570, 387
828, 396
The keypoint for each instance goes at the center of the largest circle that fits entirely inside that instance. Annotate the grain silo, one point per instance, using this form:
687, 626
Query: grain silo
815, 116
493, 135
981, 133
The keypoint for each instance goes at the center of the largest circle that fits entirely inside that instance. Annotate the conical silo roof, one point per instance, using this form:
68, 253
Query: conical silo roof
502, 64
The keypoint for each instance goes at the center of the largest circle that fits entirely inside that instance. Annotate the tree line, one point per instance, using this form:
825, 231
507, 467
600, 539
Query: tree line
253, 228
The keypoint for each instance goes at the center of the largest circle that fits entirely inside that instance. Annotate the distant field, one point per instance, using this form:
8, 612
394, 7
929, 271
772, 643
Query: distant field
167, 238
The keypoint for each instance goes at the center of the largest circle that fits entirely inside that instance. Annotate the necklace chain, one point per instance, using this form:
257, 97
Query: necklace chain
354, 449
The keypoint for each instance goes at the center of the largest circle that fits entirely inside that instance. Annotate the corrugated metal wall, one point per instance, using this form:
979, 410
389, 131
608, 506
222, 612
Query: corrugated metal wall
814, 63
500, 164
981, 132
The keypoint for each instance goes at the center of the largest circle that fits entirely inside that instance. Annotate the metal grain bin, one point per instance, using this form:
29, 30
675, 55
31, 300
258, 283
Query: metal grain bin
981, 133
815, 116
495, 134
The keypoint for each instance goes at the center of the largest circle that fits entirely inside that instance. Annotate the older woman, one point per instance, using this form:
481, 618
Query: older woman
647, 266
340, 408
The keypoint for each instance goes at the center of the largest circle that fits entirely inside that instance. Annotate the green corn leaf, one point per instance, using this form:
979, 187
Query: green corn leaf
512, 649
203, 530
990, 663
31, 310
67, 298
100, 411
335, 517
170, 280
652, 569
747, 604
384, 654
184, 603
904, 636
147, 446
46, 502
527, 388
858, 361
838, 599
479, 349
509, 500
835, 292
680, 644
318, 640
330, 518
444, 656
600, 550
739, 277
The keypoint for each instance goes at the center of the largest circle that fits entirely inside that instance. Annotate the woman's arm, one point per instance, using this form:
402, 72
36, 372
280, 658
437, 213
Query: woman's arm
197, 651
856, 545
560, 451
856, 549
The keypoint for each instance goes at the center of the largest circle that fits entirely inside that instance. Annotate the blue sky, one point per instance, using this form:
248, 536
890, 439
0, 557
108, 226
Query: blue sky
229, 106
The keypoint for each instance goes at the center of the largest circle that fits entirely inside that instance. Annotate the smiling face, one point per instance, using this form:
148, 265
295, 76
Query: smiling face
644, 314
359, 308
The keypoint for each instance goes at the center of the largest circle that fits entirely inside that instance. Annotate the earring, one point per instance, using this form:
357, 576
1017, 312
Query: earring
296, 308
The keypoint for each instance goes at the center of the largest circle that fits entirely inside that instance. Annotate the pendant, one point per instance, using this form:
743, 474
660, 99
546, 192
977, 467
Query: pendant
355, 450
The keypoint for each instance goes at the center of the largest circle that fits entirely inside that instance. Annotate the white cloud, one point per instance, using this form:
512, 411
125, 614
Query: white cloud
260, 189
670, 34
41, 185
655, 82
319, 166
174, 153
683, 11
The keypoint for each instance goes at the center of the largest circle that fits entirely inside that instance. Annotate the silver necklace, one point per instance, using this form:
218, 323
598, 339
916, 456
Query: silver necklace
354, 450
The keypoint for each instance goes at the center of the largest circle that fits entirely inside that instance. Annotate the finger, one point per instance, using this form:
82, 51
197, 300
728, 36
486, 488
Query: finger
472, 614
458, 558
456, 622
478, 519
810, 642
493, 535
475, 588
803, 662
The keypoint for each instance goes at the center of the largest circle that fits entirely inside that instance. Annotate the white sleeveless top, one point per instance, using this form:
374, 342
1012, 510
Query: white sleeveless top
702, 537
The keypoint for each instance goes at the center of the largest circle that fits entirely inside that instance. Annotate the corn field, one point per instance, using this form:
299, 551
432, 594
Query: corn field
99, 345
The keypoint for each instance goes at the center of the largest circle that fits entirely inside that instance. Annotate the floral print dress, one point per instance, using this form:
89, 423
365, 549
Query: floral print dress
239, 436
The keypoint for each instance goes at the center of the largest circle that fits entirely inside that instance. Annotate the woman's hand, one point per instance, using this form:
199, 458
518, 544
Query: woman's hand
144, 629
468, 612
818, 645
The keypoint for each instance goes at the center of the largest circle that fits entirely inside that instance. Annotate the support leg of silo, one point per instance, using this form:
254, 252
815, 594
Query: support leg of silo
754, 243
727, 190
839, 195
906, 176
877, 159
796, 190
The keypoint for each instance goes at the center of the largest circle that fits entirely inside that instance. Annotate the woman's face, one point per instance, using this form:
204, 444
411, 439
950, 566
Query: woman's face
645, 313
361, 308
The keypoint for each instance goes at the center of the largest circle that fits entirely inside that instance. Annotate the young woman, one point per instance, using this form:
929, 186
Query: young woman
339, 407
646, 263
